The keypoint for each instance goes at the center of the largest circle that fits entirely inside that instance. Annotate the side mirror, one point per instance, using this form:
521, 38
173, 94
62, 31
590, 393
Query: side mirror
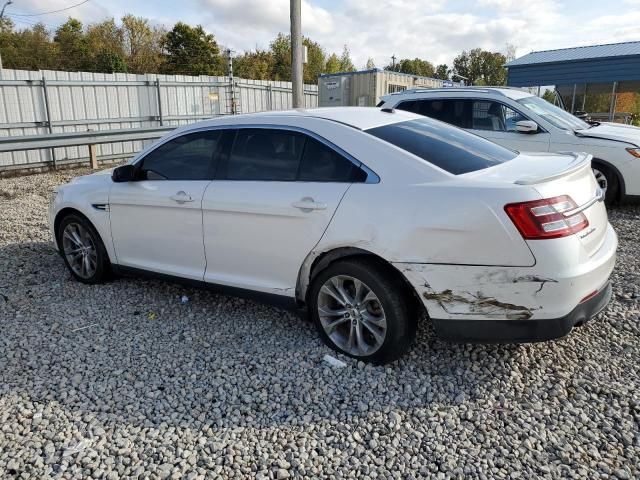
124, 173
526, 126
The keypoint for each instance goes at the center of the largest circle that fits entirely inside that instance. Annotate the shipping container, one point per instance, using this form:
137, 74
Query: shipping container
366, 87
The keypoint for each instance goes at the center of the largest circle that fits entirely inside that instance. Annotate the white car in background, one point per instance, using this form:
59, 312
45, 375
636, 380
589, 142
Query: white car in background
364, 217
521, 121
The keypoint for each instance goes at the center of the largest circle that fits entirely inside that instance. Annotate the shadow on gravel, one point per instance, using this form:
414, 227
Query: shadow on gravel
129, 352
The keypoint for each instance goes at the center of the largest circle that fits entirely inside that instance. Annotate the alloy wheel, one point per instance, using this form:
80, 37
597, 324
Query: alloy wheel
601, 179
352, 315
80, 250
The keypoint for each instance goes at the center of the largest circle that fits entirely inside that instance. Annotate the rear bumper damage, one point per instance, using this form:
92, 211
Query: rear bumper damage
517, 304
521, 331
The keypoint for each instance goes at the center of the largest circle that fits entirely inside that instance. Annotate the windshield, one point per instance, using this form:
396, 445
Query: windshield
552, 114
443, 145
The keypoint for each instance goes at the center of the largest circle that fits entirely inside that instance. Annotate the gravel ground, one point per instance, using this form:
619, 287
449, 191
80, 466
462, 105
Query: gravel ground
123, 381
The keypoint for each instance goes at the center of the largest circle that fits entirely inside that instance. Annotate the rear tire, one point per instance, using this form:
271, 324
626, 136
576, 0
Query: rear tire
608, 181
360, 311
82, 249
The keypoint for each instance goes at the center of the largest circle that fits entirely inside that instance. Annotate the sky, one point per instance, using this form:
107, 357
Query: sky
435, 30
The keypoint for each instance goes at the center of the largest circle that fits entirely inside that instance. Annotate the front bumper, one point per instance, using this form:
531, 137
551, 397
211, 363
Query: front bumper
522, 331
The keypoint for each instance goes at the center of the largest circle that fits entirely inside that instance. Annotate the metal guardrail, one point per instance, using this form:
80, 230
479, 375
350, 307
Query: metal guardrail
74, 139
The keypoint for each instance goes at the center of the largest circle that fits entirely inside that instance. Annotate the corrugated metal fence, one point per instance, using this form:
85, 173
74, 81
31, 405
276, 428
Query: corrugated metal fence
41, 102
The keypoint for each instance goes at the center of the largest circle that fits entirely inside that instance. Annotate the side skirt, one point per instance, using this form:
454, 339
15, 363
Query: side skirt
281, 301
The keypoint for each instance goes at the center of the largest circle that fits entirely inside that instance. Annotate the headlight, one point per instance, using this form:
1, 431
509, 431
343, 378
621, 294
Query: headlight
634, 151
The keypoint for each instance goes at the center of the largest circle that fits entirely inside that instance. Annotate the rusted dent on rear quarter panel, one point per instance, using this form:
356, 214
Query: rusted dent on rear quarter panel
480, 304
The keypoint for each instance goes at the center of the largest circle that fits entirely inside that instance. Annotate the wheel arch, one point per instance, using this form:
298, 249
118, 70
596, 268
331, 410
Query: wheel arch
316, 262
64, 212
622, 188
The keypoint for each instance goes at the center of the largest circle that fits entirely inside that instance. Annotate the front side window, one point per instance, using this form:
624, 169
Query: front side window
494, 116
188, 157
445, 146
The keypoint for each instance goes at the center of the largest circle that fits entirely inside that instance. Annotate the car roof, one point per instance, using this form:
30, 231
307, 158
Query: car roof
361, 118
512, 93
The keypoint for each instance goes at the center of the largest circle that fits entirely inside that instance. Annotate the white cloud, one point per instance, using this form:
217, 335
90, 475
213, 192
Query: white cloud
245, 24
87, 13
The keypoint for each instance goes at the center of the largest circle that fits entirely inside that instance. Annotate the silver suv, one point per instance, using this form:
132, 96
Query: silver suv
521, 121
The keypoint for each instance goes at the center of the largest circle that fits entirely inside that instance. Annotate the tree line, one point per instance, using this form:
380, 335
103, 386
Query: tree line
134, 45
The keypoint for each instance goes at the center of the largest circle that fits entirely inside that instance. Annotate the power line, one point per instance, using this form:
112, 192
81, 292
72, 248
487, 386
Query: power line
52, 11
30, 22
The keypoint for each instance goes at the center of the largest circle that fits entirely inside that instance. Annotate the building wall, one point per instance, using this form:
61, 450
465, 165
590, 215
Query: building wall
610, 69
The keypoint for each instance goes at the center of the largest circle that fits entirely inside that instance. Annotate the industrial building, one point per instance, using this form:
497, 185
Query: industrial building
364, 88
603, 80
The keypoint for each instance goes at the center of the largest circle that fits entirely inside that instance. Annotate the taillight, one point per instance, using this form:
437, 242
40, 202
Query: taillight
546, 218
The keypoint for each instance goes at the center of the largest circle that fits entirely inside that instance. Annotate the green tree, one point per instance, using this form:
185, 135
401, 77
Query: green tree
107, 62
256, 65
106, 47
72, 46
191, 51
370, 65
333, 64
442, 72
28, 49
316, 60
416, 66
481, 67
346, 64
142, 45
280, 48
549, 96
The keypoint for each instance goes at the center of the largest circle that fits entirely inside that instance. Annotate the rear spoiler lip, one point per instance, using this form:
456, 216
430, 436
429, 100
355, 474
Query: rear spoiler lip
580, 161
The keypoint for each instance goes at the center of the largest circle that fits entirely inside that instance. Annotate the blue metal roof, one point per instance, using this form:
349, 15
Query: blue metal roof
578, 53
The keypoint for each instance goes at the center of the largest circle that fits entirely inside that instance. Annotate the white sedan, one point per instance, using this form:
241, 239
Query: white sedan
366, 217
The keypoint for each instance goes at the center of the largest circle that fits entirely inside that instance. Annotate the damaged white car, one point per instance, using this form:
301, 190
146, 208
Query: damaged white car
366, 217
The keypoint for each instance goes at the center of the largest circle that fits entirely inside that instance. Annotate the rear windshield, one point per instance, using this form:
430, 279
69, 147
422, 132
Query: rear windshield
443, 145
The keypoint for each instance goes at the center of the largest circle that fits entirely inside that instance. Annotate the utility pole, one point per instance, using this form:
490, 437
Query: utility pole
393, 61
296, 54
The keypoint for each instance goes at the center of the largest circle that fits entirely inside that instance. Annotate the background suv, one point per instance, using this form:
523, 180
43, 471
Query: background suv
521, 121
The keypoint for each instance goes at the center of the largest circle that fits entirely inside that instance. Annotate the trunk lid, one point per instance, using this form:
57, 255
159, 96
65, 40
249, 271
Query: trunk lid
552, 175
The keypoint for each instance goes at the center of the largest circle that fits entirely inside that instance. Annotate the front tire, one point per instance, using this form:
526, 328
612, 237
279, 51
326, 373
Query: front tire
360, 311
82, 249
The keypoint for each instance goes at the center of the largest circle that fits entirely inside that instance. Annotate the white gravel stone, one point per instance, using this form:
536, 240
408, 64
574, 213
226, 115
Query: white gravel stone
220, 387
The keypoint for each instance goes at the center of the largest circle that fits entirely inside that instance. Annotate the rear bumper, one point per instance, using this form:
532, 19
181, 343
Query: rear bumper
521, 331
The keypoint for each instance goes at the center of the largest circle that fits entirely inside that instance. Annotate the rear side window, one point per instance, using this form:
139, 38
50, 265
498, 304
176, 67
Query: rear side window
188, 157
454, 111
445, 146
323, 164
271, 154
264, 154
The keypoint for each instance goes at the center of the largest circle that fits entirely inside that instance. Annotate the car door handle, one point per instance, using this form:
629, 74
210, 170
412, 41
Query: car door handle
308, 203
181, 197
